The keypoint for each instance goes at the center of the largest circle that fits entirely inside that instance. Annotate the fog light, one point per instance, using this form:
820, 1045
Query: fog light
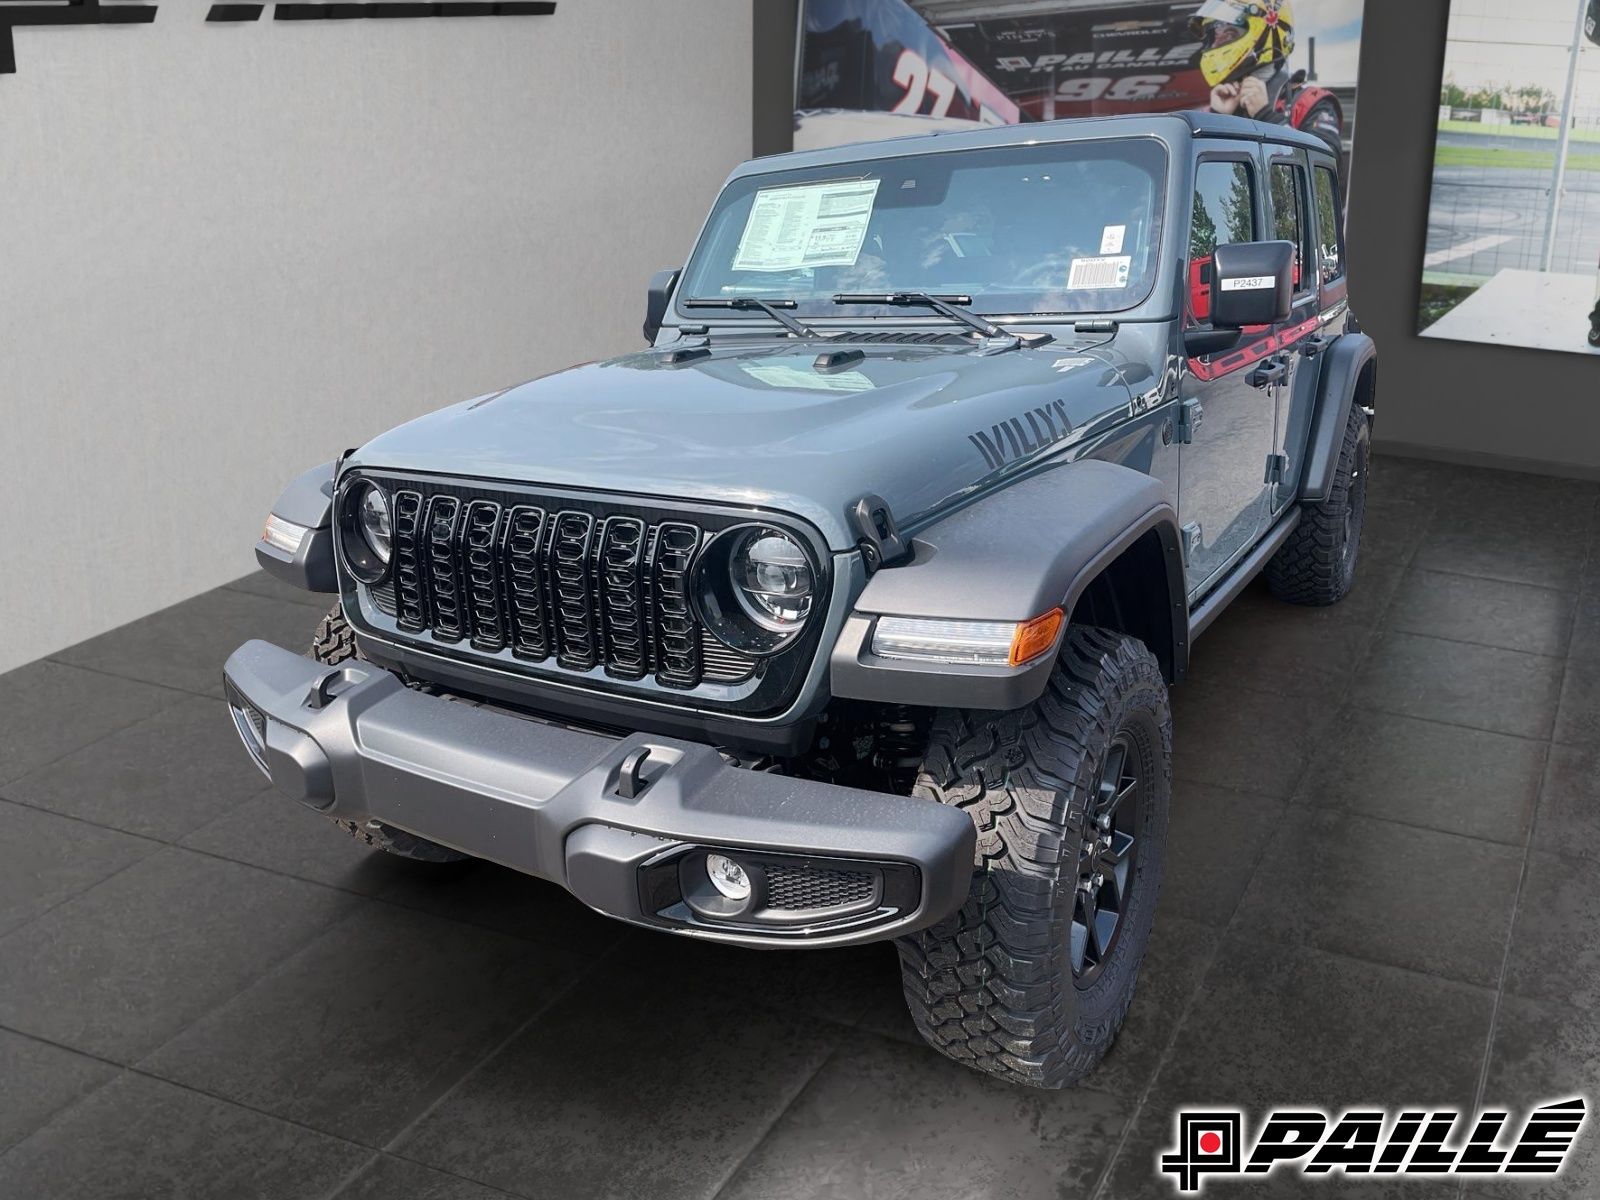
728, 877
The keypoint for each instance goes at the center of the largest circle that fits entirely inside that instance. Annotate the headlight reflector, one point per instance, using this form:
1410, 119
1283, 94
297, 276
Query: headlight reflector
376, 526
772, 579
983, 643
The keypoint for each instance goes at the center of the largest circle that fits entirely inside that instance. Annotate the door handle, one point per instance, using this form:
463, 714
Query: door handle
1314, 346
1268, 371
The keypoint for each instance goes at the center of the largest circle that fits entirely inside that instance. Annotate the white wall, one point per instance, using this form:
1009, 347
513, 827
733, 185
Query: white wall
231, 251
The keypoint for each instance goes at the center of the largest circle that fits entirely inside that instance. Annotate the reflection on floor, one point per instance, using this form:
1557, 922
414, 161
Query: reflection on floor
1382, 890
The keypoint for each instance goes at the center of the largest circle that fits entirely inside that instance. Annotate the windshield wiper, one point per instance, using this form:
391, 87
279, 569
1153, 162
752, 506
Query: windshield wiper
940, 304
773, 309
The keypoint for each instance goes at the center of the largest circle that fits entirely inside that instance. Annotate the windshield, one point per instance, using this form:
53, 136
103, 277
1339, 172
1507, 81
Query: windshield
1066, 228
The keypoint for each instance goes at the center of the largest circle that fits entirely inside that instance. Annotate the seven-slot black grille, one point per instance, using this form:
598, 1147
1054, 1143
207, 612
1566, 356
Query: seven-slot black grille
582, 586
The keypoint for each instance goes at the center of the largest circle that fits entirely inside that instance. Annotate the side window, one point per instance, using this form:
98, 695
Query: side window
1224, 213
1288, 219
1330, 252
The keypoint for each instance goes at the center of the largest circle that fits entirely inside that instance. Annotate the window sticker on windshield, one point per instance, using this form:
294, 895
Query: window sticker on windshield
812, 225
1111, 239
1104, 272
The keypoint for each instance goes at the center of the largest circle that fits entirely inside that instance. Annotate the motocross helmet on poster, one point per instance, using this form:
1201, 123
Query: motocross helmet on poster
1240, 36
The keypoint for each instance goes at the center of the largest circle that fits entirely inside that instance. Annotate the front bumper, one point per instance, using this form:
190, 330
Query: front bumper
623, 824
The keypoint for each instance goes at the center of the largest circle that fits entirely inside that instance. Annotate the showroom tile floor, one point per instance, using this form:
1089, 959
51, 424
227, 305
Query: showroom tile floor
1384, 888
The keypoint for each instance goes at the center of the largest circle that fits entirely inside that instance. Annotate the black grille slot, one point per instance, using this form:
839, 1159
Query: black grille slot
410, 598
677, 634
530, 631
799, 889
622, 598
444, 569
481, 572
572, 590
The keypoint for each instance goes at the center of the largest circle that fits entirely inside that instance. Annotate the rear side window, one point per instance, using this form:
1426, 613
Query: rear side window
1224, 213
1330, 251
1289, 217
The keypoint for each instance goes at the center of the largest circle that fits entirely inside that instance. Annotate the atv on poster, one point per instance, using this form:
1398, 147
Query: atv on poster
880, 68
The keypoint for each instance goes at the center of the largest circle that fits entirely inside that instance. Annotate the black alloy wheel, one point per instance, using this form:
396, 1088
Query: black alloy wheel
1106, 857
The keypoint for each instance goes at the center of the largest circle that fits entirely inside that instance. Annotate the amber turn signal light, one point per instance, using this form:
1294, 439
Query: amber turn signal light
1036, 637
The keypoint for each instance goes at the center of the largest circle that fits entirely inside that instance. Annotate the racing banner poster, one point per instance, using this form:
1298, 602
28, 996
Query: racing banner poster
884, 68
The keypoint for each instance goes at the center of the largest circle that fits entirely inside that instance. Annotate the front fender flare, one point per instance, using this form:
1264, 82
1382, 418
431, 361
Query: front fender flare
307, 501
1011, 556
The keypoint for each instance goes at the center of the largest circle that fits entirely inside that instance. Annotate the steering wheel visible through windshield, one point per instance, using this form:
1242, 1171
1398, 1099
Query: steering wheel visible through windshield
1070, 227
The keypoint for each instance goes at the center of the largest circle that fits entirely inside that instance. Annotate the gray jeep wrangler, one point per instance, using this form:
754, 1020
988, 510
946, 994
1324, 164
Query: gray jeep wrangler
848, 610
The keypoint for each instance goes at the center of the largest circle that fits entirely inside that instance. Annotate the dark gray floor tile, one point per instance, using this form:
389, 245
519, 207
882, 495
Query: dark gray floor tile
272, 831
46, 859
1586, 626
1389, 893
390, 1178
1578, 721
139, 1139
1394, 531
1272, 1022
1568, 821
1214, 837
161, 778
1555, 950
1423, 773
1479, 686
259, 583
481, 893
1546, 1052
1490, 612
1421, 481
185, 646
837, 985
1517, 552
47, 710
1510, 497
38, 1080
360, 1031
883, 1119
123, 967
624, 1090
1239, 738
1265, 644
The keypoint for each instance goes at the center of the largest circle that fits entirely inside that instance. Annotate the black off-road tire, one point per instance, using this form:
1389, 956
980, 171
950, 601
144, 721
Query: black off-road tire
994, 986
333, 644
1317, 565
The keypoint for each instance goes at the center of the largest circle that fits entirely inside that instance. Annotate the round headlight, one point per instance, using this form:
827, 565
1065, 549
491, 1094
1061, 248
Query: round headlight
755, 587
366, 531
376, 526
772, 579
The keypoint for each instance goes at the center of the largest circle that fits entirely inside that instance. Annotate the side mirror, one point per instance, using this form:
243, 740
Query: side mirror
655, 305
1252, 283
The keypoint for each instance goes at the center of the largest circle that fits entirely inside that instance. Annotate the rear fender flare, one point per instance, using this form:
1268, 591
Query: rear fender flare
1349, 366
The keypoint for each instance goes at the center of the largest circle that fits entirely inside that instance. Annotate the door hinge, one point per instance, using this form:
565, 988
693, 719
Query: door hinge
1191, 540
1190, 414
1277, 468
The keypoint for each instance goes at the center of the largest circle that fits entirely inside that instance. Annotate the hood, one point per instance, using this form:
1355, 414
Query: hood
758, 424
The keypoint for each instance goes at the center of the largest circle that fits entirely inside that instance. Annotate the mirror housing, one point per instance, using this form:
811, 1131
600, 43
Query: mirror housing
656, 301
1252, 283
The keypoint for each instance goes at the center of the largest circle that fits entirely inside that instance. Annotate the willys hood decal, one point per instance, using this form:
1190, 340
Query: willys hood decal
759, 424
